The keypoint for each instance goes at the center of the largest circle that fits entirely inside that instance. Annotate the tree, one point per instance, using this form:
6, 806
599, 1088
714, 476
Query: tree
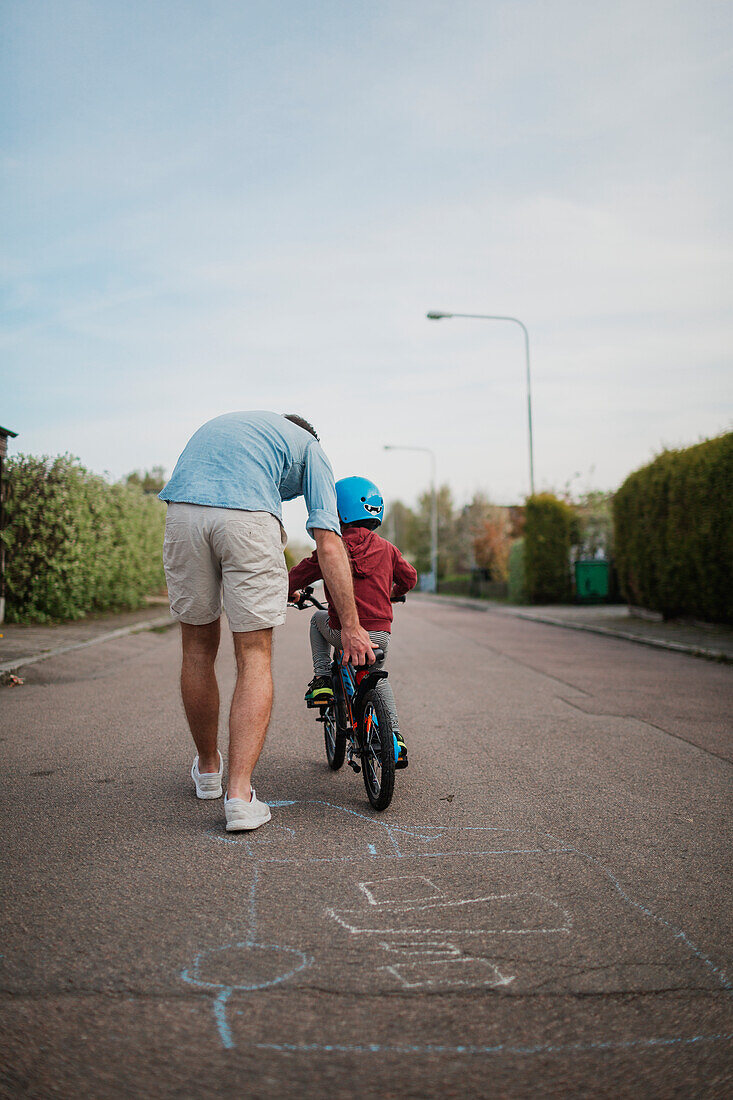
399, 527
491, 545
446, 532
470, 525
151, 481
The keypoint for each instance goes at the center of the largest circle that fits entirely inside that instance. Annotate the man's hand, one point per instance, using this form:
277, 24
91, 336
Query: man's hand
357, 646
334, 563
295, 598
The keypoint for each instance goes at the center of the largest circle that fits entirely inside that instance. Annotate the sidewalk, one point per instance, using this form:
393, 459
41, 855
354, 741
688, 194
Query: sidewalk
711, 640
25, 644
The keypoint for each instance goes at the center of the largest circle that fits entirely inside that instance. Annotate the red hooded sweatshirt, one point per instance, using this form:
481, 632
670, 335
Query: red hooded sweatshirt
378, 569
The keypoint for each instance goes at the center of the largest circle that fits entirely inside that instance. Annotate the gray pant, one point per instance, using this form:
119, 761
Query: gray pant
323, 637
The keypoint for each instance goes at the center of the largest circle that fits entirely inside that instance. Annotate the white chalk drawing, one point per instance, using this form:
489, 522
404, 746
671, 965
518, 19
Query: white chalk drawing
415, 932
414, 905
485, 909
395, 888
448, 972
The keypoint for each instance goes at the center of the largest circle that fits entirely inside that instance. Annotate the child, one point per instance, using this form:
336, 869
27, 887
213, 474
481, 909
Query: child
379, 572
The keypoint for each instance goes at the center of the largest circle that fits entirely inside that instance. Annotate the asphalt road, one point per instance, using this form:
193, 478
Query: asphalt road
544, 910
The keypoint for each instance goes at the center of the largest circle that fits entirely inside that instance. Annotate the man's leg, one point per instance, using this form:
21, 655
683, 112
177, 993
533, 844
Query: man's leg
200, 690
251, 706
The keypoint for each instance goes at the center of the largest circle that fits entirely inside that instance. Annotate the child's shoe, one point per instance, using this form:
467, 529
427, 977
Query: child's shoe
401, 747
319, 692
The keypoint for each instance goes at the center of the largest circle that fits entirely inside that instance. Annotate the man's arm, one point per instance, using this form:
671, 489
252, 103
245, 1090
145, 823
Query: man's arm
334, 563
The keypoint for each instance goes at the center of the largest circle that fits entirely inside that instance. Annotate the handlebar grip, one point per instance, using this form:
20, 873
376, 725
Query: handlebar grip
397, 599
306, 598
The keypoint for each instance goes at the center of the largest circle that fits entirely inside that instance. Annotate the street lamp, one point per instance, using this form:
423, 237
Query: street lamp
433, 511
438, 315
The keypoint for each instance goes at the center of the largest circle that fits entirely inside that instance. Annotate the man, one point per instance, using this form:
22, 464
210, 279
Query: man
223, 536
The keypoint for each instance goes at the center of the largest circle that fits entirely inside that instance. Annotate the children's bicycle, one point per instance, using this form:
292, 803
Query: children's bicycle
356, 722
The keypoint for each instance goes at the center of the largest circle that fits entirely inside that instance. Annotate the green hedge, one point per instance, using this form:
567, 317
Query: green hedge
673, 523
455, 584
550, 529
75, 543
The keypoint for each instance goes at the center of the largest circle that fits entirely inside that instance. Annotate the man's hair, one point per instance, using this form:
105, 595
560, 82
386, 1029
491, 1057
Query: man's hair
301, 422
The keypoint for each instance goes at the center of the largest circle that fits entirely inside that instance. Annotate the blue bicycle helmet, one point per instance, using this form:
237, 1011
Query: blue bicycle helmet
358, 499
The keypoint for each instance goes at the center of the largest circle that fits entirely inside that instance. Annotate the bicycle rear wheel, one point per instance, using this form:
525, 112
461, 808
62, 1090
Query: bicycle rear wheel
377, 750
334, 738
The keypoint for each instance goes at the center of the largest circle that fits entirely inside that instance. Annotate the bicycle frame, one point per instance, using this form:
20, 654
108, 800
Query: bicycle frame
349, 687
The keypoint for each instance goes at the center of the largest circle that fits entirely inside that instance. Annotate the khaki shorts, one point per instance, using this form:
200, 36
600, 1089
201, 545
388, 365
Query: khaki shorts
210, 551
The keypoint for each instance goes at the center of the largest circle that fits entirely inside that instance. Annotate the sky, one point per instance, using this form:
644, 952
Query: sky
224, 204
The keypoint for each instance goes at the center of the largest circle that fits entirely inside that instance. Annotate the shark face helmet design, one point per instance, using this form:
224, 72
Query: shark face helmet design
358, 499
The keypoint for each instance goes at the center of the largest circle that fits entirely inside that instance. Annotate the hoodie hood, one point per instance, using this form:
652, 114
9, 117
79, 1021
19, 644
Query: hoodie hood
365, 550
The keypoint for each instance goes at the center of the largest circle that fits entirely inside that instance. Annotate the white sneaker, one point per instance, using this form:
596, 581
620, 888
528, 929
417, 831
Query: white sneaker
245, 815
208, 785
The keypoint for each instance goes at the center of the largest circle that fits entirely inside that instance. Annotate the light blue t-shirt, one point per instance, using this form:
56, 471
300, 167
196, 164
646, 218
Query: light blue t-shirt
253, 461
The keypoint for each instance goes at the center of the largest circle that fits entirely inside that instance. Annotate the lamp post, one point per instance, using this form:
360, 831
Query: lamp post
438, 315
433, 511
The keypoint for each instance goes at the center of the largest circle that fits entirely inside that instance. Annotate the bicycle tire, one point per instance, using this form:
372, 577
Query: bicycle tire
334, 738
377, 750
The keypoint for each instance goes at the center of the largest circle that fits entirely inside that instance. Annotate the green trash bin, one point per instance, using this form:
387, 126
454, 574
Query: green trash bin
591, 581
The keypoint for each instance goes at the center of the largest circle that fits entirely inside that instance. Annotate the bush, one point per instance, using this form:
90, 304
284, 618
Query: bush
455, 584
517, 586
76, 544
673, 524
550, 530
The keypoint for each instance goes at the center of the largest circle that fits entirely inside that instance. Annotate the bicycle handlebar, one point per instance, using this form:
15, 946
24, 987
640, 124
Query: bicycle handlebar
307, 597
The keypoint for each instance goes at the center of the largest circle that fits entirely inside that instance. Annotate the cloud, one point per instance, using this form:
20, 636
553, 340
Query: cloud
215, 211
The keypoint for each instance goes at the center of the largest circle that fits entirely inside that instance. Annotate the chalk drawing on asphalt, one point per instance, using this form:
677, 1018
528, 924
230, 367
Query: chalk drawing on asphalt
426, 932
497, 914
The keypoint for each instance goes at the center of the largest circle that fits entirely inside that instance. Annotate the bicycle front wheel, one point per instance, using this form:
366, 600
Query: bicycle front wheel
377, 750
335, 740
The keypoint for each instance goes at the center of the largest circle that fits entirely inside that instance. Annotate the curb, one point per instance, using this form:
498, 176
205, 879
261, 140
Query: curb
135, 628
655, 643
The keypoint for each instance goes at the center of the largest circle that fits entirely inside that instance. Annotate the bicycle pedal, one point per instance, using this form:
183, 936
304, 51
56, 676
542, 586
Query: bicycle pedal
354, 766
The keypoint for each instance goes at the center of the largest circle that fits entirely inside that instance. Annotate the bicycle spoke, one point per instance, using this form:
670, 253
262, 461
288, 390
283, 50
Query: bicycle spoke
377, 752
373, 749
